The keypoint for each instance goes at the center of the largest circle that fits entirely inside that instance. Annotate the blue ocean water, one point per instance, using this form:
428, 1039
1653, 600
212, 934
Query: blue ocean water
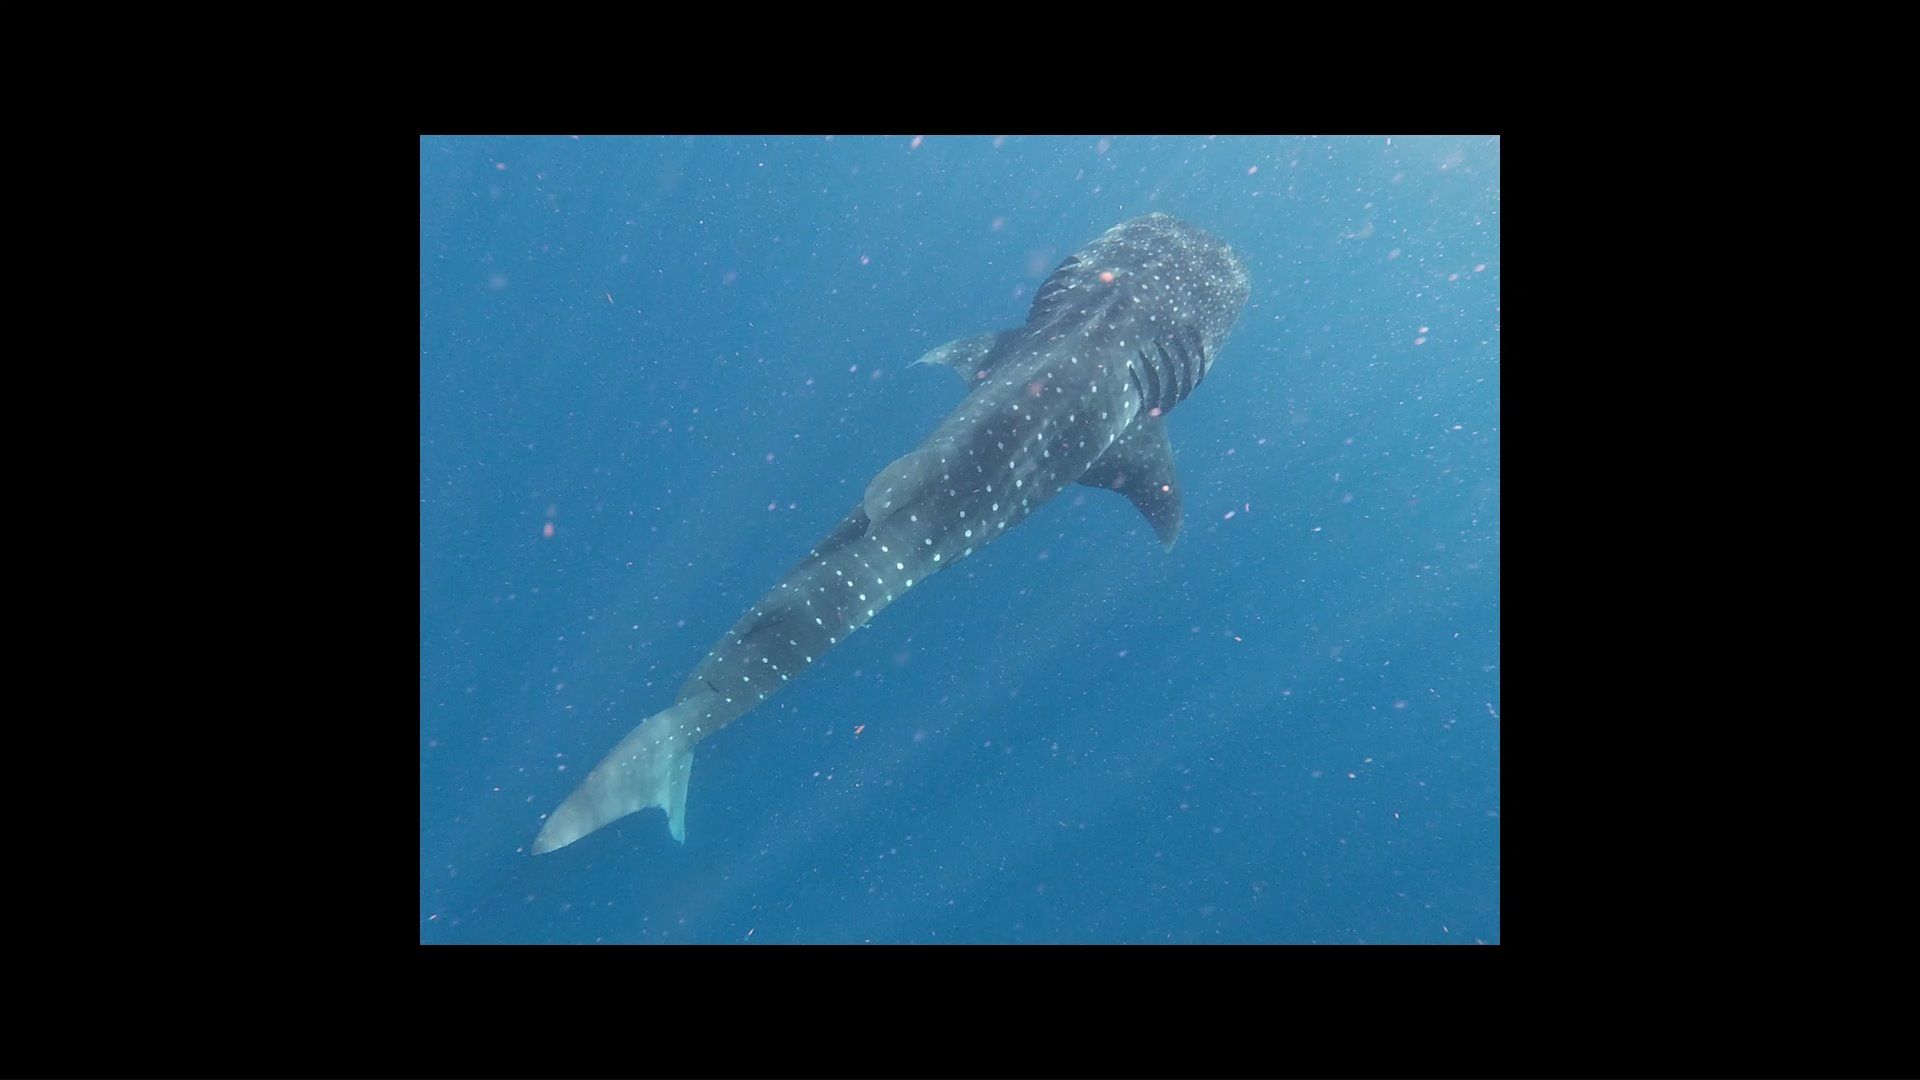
654, 371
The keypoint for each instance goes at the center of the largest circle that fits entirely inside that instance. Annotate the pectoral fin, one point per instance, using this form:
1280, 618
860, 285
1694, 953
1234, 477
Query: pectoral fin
1139, 465
973, 358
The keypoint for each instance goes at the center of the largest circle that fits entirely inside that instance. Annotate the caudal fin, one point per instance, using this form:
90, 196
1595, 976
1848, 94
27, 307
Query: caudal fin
650, 767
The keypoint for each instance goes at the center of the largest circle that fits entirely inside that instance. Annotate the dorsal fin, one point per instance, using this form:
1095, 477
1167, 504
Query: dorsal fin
907, 480
1139, 465
972, 357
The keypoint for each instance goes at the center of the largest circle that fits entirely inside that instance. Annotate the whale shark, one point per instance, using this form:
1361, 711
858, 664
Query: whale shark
1118, 335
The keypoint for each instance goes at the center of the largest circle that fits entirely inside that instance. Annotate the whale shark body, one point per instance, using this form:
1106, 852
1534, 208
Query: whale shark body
1118, 335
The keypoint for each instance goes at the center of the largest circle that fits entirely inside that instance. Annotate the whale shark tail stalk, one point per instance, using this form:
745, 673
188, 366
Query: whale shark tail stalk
650, 767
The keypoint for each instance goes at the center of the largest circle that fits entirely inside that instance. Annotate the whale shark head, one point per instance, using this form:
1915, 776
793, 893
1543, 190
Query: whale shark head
1156, 268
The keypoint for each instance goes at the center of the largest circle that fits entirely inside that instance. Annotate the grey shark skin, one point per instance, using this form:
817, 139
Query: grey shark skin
1117, 336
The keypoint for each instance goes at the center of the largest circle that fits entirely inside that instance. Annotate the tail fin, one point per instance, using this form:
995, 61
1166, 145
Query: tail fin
650, 767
